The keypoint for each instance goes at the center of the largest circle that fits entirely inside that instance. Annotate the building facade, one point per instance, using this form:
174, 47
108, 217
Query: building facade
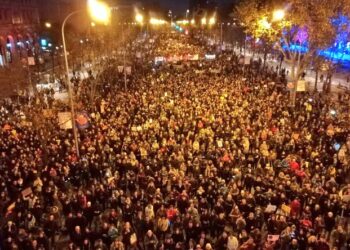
18, 22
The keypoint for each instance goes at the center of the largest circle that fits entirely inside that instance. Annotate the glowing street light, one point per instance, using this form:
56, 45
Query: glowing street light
155, 21
183, 22
278, 15
99, 11
93, 24
204, 21
212, 21
48, 25
139, 18
193, 22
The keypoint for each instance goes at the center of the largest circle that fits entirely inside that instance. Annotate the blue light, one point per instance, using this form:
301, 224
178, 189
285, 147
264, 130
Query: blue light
339, 51
43, 42
295, 47
338, 55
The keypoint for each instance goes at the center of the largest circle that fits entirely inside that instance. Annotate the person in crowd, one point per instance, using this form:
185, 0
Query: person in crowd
194, 154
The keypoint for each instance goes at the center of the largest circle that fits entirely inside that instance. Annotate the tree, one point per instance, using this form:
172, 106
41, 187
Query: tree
299, 30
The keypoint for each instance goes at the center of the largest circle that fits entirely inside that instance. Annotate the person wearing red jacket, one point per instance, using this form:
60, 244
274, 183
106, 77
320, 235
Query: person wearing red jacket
295, 207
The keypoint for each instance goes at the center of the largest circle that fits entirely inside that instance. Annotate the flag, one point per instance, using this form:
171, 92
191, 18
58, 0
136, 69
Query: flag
82, 120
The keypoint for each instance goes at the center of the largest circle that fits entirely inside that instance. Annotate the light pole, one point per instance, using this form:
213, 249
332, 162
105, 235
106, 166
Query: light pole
70, 93
221, 34
101, 13
124, 59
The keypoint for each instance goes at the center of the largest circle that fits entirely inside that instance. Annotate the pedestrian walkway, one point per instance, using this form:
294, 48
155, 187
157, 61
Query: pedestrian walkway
339, 79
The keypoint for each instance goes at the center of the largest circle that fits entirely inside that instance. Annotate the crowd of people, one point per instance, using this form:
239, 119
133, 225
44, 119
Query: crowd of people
201, 155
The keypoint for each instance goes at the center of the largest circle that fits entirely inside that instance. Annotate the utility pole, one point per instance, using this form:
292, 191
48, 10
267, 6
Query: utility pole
221, 35
124, 57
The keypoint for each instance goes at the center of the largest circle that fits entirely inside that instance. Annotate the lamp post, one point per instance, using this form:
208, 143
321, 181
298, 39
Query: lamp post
70, 93
278, 15
101, 13
221, 34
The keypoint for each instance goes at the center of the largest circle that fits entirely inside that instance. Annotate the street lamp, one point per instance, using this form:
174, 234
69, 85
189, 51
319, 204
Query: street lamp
204, 21
212, 21
48, 25
99, 12
155, 21
139, 18
278, 15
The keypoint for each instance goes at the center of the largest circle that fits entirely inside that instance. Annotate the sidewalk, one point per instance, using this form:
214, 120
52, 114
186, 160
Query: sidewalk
338, 80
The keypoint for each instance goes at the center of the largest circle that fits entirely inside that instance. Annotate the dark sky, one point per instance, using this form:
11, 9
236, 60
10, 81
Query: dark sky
177, 6
180, 6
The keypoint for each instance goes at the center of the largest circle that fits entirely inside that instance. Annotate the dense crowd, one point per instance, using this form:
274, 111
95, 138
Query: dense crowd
195, 155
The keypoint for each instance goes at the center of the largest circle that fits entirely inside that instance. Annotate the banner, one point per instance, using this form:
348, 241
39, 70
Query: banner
120, 69
301, 86
290, 85
199, 71
286, 209
193, 57
31, 61
159, 59
210, 57
48, 113
26, 192
65, 120
215, 71
128, 70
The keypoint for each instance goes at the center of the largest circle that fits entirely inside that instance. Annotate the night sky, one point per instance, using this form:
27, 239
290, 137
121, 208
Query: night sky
180, 6
177, 6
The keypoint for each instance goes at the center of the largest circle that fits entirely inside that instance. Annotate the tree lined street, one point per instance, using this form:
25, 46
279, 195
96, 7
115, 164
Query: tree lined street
168, 142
